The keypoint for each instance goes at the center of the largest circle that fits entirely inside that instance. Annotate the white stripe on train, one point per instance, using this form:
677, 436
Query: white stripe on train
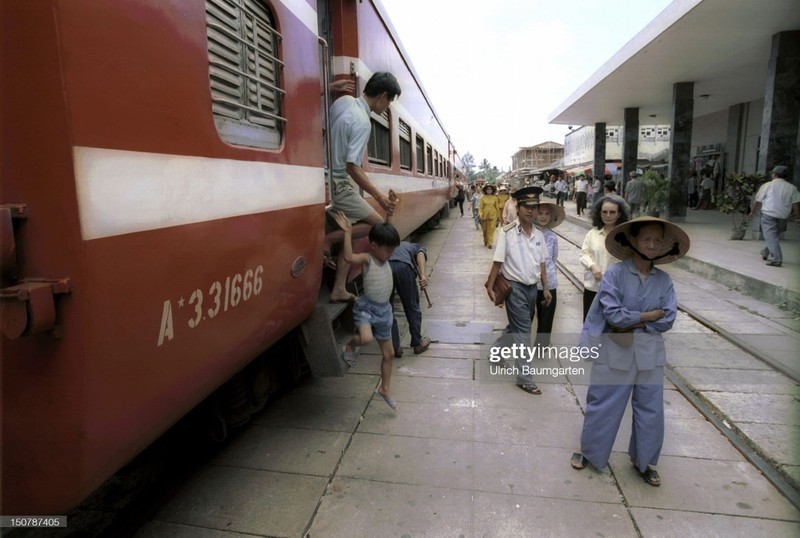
121, 192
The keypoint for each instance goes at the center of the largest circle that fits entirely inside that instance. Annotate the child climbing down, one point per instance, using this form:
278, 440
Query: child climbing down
372, 313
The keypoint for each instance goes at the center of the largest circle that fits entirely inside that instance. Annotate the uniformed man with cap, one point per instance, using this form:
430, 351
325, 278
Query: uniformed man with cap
520, 255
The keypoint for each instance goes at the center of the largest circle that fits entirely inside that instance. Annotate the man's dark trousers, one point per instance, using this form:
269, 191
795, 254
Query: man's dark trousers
405, 285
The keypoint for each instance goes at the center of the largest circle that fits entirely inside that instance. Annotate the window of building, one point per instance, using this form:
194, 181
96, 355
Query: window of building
379, 149
420, 154
245, 73
405, 146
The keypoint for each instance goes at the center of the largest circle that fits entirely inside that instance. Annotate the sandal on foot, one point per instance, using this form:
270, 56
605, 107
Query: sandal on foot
578, 461
426, 343
531, 389
398, 352
651, 477
350, 357
388, 399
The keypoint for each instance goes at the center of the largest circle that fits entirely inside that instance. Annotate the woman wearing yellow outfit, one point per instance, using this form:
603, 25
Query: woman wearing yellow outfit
489, 211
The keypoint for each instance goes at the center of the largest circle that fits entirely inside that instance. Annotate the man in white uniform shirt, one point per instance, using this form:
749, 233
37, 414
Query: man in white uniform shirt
521, 255
777, 200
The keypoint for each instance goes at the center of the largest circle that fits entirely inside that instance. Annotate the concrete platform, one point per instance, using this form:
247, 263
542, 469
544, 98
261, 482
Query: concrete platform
468, 454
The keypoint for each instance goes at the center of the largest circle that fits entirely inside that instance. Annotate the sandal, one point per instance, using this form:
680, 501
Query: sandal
578, 461
350, 357
651, 477
388, 399
426, 343
531, 389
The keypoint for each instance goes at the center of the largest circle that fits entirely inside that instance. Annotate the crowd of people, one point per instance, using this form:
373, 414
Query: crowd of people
628, 303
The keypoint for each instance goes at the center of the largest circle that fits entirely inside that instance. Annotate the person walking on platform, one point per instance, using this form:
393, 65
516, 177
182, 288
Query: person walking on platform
502, 198
476, 201
561, 191
609, 212
777, 200
597, 190
408, 266
691, 188
581, 186
372, 313
636, 304
706, 188
521, 257
349, 133
489, 212
547, 217
634, 190
509, 214
460, 197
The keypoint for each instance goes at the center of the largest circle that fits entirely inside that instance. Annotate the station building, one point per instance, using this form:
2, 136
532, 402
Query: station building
722, 75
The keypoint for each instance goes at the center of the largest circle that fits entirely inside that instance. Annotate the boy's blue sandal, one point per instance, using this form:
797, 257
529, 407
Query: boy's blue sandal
350, 357
388, 399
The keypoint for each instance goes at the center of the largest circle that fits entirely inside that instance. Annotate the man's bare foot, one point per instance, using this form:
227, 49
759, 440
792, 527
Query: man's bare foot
342, 297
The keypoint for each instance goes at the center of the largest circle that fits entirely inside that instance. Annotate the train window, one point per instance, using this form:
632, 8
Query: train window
420, 155
245, 73
405, 146
429, 155
379, 149
435, 163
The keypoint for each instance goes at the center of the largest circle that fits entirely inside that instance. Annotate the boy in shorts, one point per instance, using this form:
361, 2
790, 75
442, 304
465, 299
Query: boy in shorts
372, 312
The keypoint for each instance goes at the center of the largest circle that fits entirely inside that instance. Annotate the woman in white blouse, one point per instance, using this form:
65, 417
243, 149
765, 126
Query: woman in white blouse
607, 213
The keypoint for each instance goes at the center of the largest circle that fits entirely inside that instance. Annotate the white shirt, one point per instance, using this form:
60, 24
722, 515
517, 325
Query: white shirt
777, 198
521, 255
581, 185
593, 252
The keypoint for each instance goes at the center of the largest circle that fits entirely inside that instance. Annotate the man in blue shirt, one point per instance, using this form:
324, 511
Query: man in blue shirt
408, 267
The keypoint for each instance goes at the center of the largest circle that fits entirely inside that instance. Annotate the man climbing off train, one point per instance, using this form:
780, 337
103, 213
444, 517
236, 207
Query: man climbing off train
350, 129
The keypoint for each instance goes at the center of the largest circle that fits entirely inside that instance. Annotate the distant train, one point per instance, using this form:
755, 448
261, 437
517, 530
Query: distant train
163, 209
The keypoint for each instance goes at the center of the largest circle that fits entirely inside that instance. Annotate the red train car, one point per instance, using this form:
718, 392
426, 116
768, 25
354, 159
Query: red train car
163, 196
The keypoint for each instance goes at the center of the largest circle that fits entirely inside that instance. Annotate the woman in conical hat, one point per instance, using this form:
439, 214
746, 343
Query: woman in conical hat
634, 306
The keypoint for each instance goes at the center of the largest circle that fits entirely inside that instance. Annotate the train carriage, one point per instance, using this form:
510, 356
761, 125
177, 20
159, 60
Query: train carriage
163, 198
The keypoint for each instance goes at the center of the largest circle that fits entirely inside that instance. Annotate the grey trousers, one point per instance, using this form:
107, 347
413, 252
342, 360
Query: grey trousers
771, 228
520, 309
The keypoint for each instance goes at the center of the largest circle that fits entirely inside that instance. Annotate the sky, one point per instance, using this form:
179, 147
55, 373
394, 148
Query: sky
496, 70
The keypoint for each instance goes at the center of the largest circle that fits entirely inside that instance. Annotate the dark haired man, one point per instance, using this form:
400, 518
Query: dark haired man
350, 129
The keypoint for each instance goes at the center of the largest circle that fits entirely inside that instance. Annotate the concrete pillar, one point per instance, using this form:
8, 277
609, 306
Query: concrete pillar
680, 146
734, 140
630, 144
599, 149
779, 127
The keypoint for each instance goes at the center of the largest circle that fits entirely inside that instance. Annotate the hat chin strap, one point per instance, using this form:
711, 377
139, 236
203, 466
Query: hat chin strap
622, 239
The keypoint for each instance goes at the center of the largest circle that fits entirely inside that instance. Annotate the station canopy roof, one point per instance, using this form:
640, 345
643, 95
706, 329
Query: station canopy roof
723, 46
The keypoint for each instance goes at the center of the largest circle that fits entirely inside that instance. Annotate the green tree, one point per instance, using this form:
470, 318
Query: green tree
488, 171
469, 165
